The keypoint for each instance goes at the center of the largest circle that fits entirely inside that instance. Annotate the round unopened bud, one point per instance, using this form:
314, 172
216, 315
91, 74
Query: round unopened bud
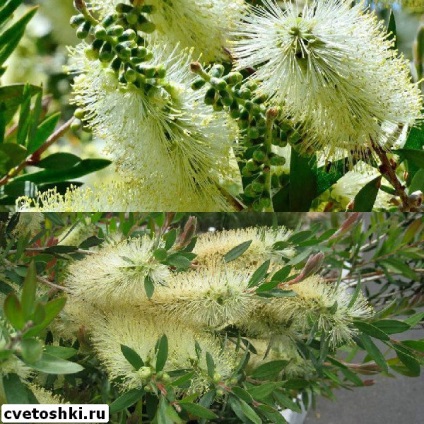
210, 96
106, 54
217, 70
252, 165
277, 160
115, 31
109, 20
77, 20
234, 110
146, 26
258, 187
225, 98
217, 377
197, 84
145, 372
160, 71
234, 78
76, 124
218, 83
83, 30
128, 34
259, 156
130, 75
123, 8
132, 17
100, 32
116, 64
79, 113
253, 133
245, 93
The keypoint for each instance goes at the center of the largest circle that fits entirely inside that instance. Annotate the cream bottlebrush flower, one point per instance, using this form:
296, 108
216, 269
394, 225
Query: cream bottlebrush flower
29, 223
115, 274
215, 296
333, 69
328, 305
45, 397
141, 332
204, 25
213, 245
168, 139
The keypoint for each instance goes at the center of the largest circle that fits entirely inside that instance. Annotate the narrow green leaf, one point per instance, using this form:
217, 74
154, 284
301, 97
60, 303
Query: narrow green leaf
170, 238
259, 274
162, 353
183, 379
243, 410
276, 293
13, 311
126, 400
392, 326
52, 365
149, 286
303, 181
413, 155
198, 410
373, 351
91, 242
86, 166
31, 350
413, 320
59, 161
398, 266
237, 251
269, 369
365, 199
417, 345
28, 292
51, 309
11, 96
179, 261
9, 39
210, 364
15, 390
286, 402
132, 357
7, 10
408, 360
60, 351
370, 329
281, 275
42, 133
11, 155
264, 390
24, 117
242, 394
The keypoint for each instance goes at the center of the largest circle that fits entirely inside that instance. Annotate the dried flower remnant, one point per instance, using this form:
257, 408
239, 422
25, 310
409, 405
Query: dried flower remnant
333, 70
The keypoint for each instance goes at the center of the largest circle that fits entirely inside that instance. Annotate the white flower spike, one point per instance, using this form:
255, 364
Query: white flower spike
333, 69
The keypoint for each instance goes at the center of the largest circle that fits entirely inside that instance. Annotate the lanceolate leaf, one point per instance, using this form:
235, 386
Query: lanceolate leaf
237, 251
365, 199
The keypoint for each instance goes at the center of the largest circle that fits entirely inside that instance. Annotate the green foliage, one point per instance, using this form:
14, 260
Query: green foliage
31, 260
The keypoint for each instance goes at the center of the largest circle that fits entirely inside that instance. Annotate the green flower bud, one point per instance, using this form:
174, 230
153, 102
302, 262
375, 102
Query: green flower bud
130, 75
83, 30
234, 110
97, 45
115, 31
277, 160
226, 99
244, 114
245, 93
76, 125
251, 165
197, 84
259, 156
218, 106
77, 20
253, 133
258, 187
109, 20
160, 71
79, 113
145, 373
234, 78
144, 25
106, 54
128, 34
123, 8
217, 71
260, 99
210, 96
147, 8
249, 192
116, 64
91, 54
132, 17
100, 32
218, 83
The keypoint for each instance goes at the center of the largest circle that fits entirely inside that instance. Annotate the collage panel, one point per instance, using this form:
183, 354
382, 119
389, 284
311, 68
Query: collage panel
211, 106
211, 317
